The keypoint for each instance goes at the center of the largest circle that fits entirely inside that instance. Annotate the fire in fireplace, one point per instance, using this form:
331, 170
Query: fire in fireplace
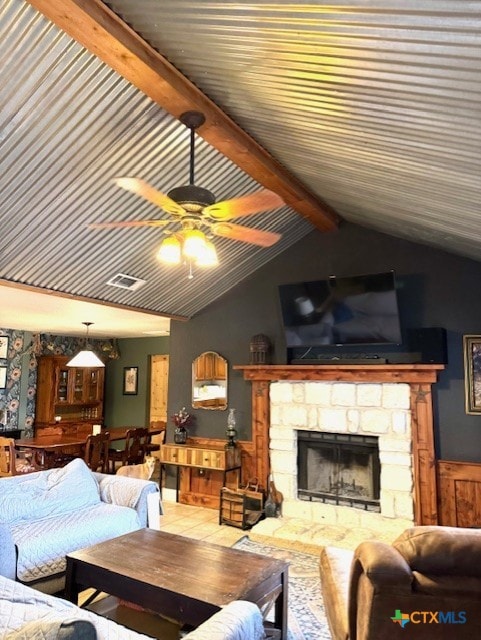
340, 469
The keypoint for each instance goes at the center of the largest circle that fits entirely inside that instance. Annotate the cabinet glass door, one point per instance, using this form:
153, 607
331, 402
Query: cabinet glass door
93, 385
62, 386
78, 390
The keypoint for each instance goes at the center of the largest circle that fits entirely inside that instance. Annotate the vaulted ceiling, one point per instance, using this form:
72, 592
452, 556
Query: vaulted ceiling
367, 112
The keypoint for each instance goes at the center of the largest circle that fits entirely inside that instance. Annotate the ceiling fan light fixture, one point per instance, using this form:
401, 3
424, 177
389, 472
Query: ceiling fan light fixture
194, 244
209, 257
86, 357
170, 251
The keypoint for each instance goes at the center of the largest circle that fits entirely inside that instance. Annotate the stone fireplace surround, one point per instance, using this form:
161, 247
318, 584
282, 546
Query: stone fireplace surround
392, 401
374, 409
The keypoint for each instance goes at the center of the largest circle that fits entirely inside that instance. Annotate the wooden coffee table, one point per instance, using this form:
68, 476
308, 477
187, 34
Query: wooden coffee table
179, 578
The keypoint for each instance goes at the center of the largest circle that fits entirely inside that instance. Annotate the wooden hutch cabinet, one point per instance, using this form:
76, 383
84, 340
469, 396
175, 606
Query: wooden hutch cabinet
75, 395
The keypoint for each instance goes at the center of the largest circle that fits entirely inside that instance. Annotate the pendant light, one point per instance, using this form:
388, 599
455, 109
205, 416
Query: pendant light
86, 357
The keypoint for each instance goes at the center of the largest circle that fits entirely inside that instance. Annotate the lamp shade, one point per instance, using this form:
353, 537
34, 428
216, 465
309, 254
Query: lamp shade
170, 250
208, 258
85, 358
194, 244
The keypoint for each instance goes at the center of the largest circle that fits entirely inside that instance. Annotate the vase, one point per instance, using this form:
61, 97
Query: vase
180, 435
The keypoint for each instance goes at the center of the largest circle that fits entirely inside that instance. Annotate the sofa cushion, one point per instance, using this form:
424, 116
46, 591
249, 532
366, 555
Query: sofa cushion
43, 544
436, 550
55, 630
48, 494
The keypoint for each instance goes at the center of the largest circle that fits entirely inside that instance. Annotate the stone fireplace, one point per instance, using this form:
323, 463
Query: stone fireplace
373, 422
391, 403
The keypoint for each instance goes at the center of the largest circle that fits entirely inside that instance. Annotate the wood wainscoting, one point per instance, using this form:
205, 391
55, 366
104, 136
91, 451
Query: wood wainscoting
459, 489
202, 486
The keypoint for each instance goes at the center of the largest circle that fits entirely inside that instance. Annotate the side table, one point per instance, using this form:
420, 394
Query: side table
225, 459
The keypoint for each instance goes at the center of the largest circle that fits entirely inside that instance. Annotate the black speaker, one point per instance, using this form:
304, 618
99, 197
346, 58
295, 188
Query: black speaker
430, 343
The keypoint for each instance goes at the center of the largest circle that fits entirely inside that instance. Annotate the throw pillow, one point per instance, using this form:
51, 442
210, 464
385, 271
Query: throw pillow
48, 493
71, 488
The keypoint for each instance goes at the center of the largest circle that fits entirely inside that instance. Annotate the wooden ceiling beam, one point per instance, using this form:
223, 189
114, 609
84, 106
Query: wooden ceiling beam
103, 33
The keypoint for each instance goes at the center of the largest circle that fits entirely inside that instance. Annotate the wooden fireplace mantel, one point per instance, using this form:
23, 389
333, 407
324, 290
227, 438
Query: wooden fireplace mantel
408, 373
420, 378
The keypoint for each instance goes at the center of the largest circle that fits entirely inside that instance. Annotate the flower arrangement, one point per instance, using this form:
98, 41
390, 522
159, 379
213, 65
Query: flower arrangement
182, 418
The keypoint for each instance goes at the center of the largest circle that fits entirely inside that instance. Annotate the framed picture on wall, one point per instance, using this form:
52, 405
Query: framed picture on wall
3, 347
472, 373
131, 382
3, 377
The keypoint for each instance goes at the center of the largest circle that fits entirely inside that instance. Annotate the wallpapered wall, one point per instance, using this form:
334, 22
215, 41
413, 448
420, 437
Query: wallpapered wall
18, 363
17, 398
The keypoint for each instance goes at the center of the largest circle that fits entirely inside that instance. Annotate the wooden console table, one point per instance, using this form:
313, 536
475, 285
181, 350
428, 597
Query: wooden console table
206, 458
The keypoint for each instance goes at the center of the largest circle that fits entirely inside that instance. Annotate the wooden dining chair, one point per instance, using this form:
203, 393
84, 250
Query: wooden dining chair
11, 462
136, 441
96, 454
155, 442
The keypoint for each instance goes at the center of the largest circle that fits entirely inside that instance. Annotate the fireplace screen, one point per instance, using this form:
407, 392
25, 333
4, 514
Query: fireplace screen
339, 469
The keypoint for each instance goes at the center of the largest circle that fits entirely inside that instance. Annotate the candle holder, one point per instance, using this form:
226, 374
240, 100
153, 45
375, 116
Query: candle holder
231, 431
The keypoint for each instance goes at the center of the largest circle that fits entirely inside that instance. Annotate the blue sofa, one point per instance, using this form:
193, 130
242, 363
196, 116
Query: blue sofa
28, 614
47, 514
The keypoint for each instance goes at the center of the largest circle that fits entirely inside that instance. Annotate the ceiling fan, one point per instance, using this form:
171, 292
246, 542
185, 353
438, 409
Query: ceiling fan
194, 207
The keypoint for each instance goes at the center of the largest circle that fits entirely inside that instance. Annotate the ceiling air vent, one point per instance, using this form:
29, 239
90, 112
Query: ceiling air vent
124, 281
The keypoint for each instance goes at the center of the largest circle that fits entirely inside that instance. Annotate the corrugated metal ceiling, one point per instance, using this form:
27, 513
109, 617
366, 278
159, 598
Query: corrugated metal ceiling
68, 126
374, 106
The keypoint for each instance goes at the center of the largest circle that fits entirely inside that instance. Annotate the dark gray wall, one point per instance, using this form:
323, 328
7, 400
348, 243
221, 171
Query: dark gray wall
125, 411
436, 289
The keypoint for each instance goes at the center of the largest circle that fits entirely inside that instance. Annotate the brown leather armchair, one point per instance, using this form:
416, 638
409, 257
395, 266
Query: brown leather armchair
432, 575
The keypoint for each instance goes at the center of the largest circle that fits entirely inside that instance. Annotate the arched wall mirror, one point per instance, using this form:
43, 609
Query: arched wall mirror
209, 381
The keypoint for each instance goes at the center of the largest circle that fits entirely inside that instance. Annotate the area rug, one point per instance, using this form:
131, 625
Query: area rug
306, 616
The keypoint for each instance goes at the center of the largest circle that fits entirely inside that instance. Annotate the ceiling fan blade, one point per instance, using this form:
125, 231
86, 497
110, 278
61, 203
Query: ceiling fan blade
145, 190
245, 234
128, 223
262, 200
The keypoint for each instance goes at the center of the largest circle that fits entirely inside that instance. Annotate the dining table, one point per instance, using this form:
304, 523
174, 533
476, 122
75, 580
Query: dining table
48, 451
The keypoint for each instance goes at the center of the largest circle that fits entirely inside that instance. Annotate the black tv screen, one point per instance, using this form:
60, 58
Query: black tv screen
357, 310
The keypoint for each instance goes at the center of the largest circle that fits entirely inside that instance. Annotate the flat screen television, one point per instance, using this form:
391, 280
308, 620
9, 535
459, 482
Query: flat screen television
356, 310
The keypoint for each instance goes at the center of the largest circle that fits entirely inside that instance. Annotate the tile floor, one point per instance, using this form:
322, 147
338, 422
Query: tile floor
198, 523
203, 524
